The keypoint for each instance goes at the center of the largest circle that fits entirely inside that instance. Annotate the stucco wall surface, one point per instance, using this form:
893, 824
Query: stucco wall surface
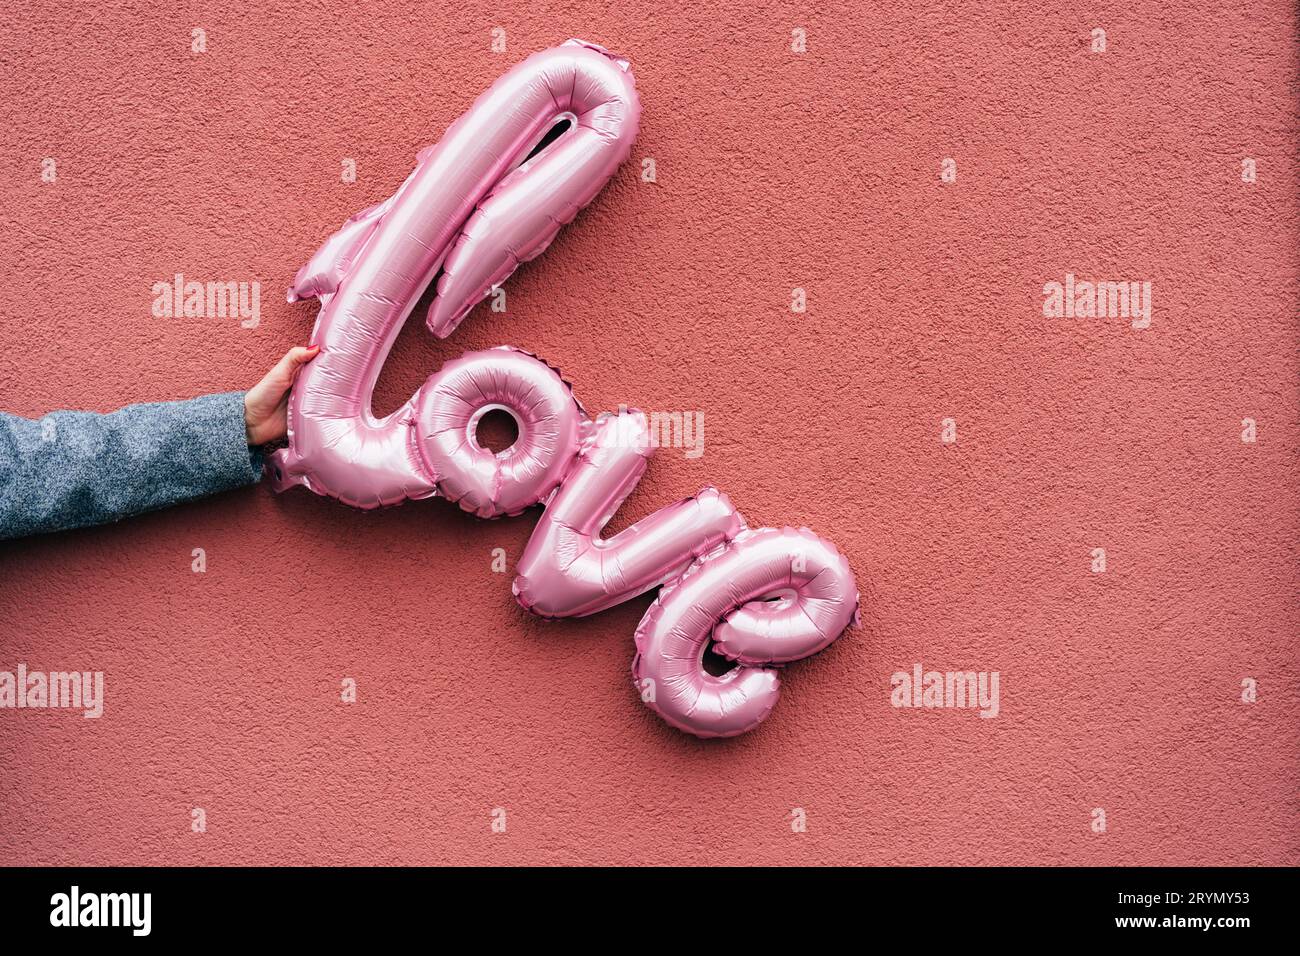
1120, 690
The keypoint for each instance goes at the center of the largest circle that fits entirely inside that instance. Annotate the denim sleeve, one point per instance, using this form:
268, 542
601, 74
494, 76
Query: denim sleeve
72, 469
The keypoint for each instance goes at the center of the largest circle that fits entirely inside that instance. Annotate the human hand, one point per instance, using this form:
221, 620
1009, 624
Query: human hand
266, 404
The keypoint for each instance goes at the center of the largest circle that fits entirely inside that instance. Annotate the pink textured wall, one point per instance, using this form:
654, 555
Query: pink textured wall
1120, 690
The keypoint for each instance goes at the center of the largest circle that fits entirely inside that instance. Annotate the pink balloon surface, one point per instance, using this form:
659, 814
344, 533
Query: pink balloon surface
768, 596
472, 210
447, 412
568, 570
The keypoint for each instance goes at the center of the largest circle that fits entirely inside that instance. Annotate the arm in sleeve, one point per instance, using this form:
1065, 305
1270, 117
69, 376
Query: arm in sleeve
72, 469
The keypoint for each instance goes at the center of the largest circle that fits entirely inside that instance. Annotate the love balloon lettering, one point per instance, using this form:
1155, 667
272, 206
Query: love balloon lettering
478, 203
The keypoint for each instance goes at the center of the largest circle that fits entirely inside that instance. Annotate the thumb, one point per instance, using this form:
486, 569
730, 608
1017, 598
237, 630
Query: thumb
287, 368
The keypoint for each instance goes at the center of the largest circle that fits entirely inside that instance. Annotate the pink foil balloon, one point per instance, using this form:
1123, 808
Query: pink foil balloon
567, 570
474, 209
768, 596
447, 412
